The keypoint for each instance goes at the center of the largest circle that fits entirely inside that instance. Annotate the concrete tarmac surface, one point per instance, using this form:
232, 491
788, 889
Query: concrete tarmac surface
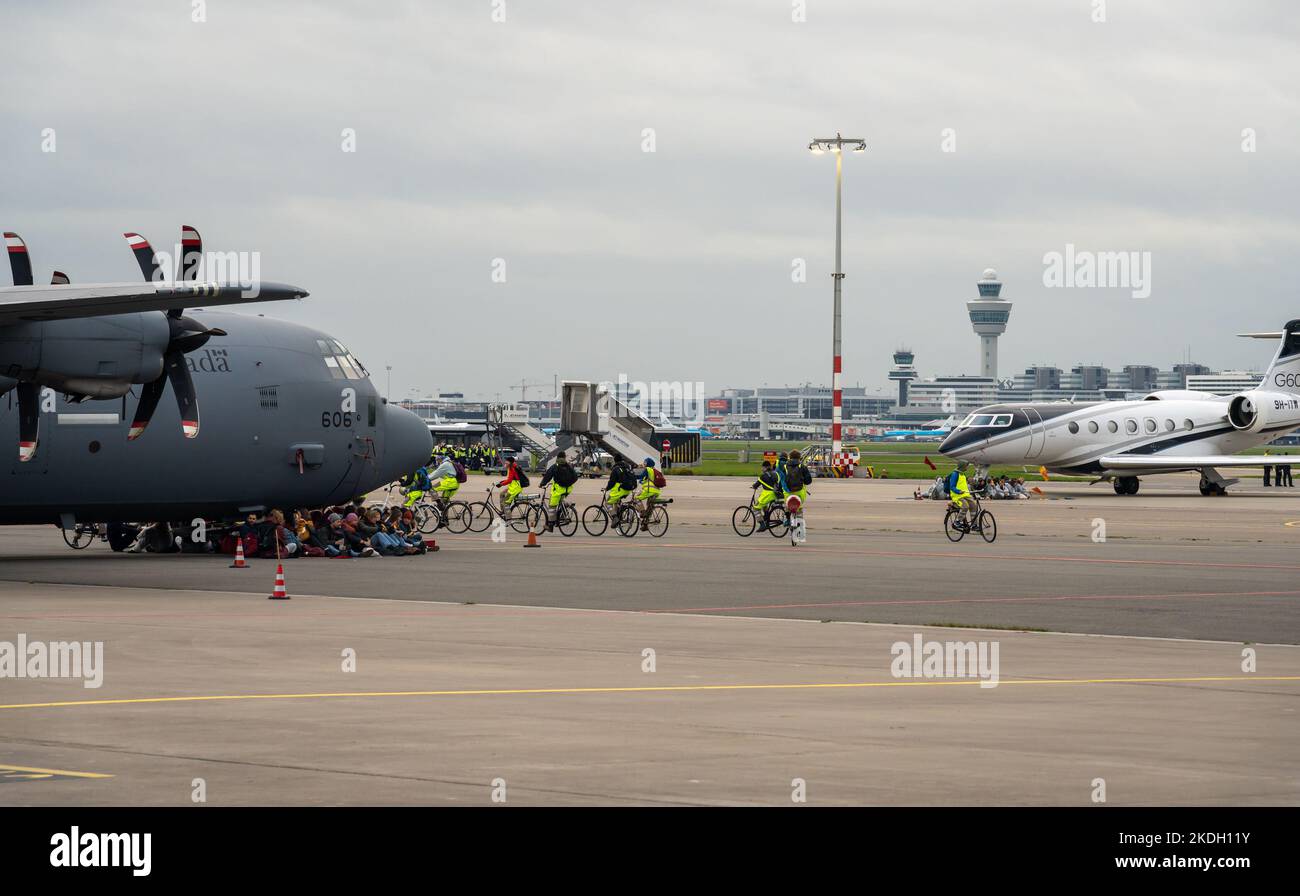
489, 663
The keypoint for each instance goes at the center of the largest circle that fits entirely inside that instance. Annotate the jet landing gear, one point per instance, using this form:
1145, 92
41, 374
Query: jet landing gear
1125, 485
1209, 488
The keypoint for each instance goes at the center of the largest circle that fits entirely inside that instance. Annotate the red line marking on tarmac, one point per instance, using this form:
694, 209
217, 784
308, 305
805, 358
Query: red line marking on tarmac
805, 549
982, 600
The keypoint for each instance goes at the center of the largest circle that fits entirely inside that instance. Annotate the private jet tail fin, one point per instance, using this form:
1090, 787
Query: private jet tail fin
1284, 372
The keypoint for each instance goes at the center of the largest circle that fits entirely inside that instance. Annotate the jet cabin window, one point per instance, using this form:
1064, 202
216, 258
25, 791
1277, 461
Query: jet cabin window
341, 364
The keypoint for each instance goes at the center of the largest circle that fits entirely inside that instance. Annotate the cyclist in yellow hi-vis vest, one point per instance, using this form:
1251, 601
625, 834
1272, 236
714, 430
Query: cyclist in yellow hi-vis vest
769, 483
959, 492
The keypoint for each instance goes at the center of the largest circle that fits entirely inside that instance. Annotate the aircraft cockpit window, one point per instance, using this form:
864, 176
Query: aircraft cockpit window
966, 422
340, 362
982, 420
1001, 420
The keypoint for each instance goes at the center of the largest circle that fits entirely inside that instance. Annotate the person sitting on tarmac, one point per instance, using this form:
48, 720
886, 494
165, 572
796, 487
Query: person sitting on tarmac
513, 484
561, 477
622, 482
770, 483
444, 480
651, 482
959, 493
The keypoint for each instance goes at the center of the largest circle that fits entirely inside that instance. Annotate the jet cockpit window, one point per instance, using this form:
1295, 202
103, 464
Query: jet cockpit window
982, 420
1001, 420
342, 365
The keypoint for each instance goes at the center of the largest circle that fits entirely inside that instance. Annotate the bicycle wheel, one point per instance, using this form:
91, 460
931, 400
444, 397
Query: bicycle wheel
988, 526
658, 524
458, 517
520, 517
78, 537
428, 518
743, 521
566, 519
595, 520
480, 516
778, 522
629, 521
952, 525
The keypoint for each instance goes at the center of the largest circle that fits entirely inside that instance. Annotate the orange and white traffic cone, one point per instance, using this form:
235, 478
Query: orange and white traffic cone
532, 540
280, 593
239, 563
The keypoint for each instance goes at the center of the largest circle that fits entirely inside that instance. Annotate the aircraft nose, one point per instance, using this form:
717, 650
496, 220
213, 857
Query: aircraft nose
407, 443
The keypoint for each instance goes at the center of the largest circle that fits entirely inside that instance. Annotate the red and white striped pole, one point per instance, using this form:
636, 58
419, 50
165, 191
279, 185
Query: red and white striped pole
838, 276
836, 145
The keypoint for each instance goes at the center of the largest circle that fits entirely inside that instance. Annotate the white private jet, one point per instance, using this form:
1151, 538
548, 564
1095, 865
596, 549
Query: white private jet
1165, 432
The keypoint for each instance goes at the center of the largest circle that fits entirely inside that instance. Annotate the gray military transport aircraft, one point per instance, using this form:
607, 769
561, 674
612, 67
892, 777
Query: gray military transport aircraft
290, 417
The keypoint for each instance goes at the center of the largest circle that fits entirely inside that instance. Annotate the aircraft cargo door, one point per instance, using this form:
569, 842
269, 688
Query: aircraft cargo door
1036, 437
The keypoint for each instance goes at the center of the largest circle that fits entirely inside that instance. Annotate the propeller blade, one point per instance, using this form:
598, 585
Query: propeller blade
187, 402
19, 262
144, 256
59, 279
149, 397
191, 253
29, 420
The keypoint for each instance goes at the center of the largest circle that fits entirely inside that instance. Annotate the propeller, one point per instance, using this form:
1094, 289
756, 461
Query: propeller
29, 394
186, 335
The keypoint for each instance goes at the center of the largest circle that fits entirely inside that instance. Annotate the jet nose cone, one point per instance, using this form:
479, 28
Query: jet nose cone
948, 443
407, 443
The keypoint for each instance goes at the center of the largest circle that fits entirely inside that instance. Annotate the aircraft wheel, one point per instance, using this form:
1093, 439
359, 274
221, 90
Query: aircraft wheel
120, 536
1126, 485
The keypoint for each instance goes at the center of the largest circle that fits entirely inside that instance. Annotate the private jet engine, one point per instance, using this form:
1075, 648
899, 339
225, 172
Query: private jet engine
1257, 411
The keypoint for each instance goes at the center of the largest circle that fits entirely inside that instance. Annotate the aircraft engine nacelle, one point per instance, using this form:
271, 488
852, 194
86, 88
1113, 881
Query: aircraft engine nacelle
100, 357
1257, 411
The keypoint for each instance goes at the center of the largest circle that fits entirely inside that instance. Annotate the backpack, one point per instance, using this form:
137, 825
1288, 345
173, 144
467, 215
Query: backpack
420, 481
523, 479
950, 482
659, 479
461, 475
796, 477
627, 479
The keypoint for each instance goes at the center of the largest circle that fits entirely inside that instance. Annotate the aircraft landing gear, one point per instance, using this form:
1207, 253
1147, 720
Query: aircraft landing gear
1125, 485
1209, 488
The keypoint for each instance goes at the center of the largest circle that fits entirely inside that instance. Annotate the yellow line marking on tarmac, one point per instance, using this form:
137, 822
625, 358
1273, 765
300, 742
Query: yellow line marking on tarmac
651, 689
51, 771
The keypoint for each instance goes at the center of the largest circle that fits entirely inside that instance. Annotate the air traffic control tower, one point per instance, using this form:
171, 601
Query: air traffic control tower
988, 317
903, 373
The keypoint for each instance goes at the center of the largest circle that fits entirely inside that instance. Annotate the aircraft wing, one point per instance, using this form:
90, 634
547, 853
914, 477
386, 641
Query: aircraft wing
60, 302
1173, 462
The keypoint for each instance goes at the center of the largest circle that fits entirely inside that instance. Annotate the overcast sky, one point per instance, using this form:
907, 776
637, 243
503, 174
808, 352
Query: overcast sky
523, 141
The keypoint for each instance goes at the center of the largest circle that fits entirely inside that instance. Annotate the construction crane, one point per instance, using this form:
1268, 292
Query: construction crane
523, 386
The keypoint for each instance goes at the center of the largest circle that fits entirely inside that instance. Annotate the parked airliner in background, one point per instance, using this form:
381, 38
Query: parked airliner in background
1165, 432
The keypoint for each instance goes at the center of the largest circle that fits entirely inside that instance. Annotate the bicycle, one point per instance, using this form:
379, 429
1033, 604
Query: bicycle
656, 519
394, 494
566, 518
744, 519
598, 517
521, 515
81, 535
433, 513
956, 523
